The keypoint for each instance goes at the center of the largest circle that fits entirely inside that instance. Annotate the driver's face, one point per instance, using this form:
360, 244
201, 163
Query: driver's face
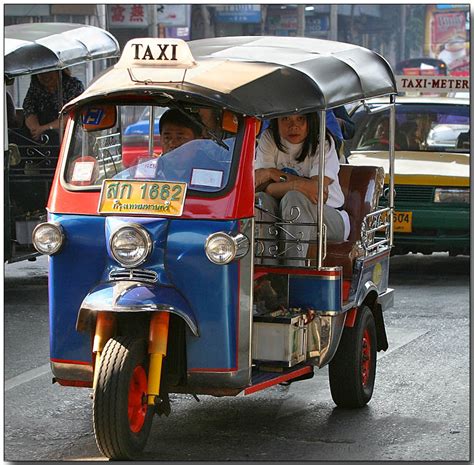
174, 135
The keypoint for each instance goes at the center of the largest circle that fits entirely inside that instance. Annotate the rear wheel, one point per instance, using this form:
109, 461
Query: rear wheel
352, 370
122, 418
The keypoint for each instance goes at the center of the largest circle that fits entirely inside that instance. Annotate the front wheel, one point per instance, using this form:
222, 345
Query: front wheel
122, 418
352, 370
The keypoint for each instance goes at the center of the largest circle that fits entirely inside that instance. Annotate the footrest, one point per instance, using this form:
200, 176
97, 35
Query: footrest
263, 379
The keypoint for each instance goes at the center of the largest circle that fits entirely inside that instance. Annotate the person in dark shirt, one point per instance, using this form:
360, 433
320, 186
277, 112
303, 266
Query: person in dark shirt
41, 104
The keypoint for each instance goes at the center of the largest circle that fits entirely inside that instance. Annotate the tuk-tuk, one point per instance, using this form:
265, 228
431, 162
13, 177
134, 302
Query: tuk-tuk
158, 281
29, 164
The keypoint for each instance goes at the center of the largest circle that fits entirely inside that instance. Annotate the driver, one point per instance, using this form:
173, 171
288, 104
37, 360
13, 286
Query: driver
176, 129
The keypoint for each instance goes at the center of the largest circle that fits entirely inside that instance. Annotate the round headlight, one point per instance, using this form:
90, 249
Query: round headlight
48, 238
130, 245
222, 248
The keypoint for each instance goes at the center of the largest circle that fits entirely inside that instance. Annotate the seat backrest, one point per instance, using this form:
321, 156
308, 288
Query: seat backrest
362, 186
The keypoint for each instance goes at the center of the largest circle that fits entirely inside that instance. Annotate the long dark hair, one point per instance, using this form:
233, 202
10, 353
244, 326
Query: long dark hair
311, 141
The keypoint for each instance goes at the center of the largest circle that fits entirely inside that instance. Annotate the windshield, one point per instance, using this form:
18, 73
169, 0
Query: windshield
423, 127
113, 142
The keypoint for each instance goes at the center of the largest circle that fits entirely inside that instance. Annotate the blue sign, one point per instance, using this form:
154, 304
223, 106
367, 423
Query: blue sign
93, 116
452, 7
238, 14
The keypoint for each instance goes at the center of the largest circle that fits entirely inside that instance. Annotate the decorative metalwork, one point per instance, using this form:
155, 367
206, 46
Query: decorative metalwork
277, 239
37, 158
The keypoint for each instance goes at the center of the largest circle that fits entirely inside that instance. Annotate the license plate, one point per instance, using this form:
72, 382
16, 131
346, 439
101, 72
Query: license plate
402, 222
142, 197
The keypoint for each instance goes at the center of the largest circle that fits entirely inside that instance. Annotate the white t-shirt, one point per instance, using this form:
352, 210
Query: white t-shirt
269, 156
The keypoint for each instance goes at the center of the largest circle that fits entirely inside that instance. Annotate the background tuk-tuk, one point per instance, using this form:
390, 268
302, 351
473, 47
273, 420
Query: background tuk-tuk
29, 165
158, 283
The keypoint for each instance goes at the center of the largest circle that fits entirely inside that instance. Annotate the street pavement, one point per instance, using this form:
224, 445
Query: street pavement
419, 411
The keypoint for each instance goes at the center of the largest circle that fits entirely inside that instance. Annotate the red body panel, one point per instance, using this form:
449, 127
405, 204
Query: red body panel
237, 203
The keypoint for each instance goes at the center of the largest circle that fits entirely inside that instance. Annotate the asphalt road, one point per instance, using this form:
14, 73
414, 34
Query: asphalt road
419, 411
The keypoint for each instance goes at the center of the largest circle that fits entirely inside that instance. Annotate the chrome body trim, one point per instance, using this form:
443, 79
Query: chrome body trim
133, 274
387, 299
323, 336
72, 371
107, 297
364, 291
322, 162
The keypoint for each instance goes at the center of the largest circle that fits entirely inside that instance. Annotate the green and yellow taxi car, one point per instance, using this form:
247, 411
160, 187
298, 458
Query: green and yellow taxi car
432, 186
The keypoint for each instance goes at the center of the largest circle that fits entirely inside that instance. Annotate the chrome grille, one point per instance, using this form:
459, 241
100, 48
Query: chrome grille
146, 276
406, 193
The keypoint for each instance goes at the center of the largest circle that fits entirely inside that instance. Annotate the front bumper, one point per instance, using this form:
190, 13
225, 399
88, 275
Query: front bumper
435, 228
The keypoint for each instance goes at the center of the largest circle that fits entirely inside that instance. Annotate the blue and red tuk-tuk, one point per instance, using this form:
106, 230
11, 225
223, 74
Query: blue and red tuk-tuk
160, 278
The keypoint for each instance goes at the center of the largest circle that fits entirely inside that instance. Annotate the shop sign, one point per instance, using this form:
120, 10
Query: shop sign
316, 24
283, 22
129, 16
453, 6
448, 25
27, 10
173, 15
238, 14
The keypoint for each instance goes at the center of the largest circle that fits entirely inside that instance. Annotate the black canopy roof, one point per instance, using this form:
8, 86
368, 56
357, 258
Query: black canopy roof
39, 47
261, 75
315, 73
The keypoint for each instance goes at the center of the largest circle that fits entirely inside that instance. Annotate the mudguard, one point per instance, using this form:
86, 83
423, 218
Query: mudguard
131, 297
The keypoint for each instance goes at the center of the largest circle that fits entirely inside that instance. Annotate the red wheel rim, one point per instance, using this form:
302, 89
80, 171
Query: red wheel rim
366, 358
137, 404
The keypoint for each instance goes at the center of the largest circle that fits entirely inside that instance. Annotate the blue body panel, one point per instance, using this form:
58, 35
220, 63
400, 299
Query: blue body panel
210, 291
374, 272
72, 273
315, 292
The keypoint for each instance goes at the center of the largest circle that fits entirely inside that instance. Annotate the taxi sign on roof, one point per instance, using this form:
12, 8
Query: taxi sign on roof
432, 84
155, 52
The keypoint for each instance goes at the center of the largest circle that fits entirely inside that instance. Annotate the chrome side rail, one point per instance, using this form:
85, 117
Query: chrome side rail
378, 220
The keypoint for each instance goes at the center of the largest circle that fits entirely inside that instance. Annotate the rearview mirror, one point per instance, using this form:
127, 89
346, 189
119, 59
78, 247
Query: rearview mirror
230, 122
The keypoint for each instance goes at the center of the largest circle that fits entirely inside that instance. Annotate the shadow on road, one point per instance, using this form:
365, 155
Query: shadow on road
423, 268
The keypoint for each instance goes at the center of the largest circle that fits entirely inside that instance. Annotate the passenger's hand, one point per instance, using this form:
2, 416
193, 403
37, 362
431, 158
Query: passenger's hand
36, 131
309, 187
263, 175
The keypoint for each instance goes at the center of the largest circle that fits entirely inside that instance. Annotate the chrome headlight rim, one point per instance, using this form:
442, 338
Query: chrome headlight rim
59, 229
143, 233
239, 244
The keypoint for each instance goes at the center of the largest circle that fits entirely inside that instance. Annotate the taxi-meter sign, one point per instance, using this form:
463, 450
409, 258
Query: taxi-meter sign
156, 52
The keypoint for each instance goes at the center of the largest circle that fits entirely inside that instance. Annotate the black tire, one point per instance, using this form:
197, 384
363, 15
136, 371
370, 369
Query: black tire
352, 370
118, 436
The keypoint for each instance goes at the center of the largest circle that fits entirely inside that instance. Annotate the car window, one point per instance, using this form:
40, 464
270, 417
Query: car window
418, 128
